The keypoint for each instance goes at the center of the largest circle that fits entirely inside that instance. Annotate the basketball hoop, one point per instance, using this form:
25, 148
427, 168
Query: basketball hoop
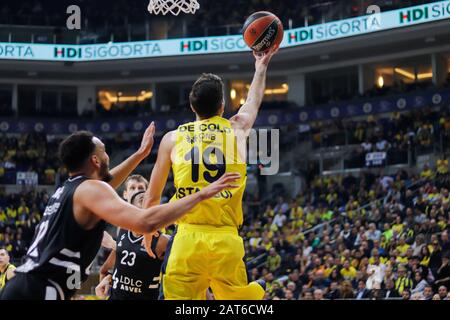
173, 6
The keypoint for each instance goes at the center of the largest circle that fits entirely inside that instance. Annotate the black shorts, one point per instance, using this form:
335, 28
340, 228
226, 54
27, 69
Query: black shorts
26, 286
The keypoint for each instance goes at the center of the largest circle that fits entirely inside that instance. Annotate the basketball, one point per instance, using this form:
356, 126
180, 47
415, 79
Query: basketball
262, 30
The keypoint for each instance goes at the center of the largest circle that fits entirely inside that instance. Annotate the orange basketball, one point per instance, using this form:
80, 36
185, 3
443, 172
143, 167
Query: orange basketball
262, 30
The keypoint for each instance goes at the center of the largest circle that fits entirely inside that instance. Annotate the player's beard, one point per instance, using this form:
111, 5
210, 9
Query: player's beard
104, 173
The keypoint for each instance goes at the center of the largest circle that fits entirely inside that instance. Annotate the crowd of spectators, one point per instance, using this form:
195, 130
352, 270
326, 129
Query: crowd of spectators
419, 131
19, 215
416, 131
370, 237
118, 14
38, 153
33, 152
380, 237
374, 236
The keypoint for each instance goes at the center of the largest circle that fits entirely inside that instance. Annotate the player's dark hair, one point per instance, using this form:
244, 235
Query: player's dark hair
76, 149
206, 96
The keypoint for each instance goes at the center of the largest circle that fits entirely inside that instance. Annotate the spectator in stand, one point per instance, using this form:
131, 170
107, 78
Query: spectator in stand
406, 295
425, 135
347, 290
382, 145
273, 261
375, 271
348, 272
419, 283
443, 273
366, 146
279, 220
6, 268
426, 173
445, 241
307, 295
435, 257
333, 292
443, 292
319, 280
442, 166
418, 244
318, 294
281, 206
390, 291
428, 293
289, 295
293, 287
362, 292
373, 234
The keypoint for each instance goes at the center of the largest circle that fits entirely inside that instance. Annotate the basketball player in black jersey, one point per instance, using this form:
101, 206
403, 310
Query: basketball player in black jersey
71, 230
136, 274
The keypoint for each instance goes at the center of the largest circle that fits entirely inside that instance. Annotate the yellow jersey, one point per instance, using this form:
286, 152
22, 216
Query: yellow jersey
3, 279
442, 166
204, 151
349, 273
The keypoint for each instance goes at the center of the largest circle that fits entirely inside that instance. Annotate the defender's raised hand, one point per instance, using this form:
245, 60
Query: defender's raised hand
147, 140
225, 182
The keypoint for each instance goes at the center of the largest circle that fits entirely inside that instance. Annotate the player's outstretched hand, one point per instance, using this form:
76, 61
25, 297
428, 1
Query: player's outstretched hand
147, 243
147, 141
103, 287
108, 241
263, 58
225, 182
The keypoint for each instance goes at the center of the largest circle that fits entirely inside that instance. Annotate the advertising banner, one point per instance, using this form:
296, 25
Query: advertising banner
225, 44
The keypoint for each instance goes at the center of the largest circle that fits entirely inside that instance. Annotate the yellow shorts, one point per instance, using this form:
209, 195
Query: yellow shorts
201, 257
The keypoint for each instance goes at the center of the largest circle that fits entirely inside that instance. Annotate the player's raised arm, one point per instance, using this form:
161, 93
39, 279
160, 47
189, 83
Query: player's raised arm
246, 116
160, 171
123, 170
107, 265
99, 198
108, 242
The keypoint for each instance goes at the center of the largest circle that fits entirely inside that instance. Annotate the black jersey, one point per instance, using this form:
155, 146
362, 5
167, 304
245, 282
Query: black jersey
136, 275
62, 252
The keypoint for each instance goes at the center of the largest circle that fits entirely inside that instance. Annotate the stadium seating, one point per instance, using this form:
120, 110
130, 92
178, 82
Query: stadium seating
328, 239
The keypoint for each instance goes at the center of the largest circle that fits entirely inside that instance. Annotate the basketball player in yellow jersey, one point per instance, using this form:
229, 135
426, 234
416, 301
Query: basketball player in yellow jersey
206, 250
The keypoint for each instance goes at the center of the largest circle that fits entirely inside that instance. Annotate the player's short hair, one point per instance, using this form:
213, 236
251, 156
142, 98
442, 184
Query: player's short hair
76, 149
206, 96
6, 251
138, 178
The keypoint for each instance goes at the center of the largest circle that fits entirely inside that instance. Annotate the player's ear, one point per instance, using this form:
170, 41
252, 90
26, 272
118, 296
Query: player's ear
192, 108
95, 160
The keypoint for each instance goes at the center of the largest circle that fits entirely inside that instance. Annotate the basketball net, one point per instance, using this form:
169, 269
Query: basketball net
173, 6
